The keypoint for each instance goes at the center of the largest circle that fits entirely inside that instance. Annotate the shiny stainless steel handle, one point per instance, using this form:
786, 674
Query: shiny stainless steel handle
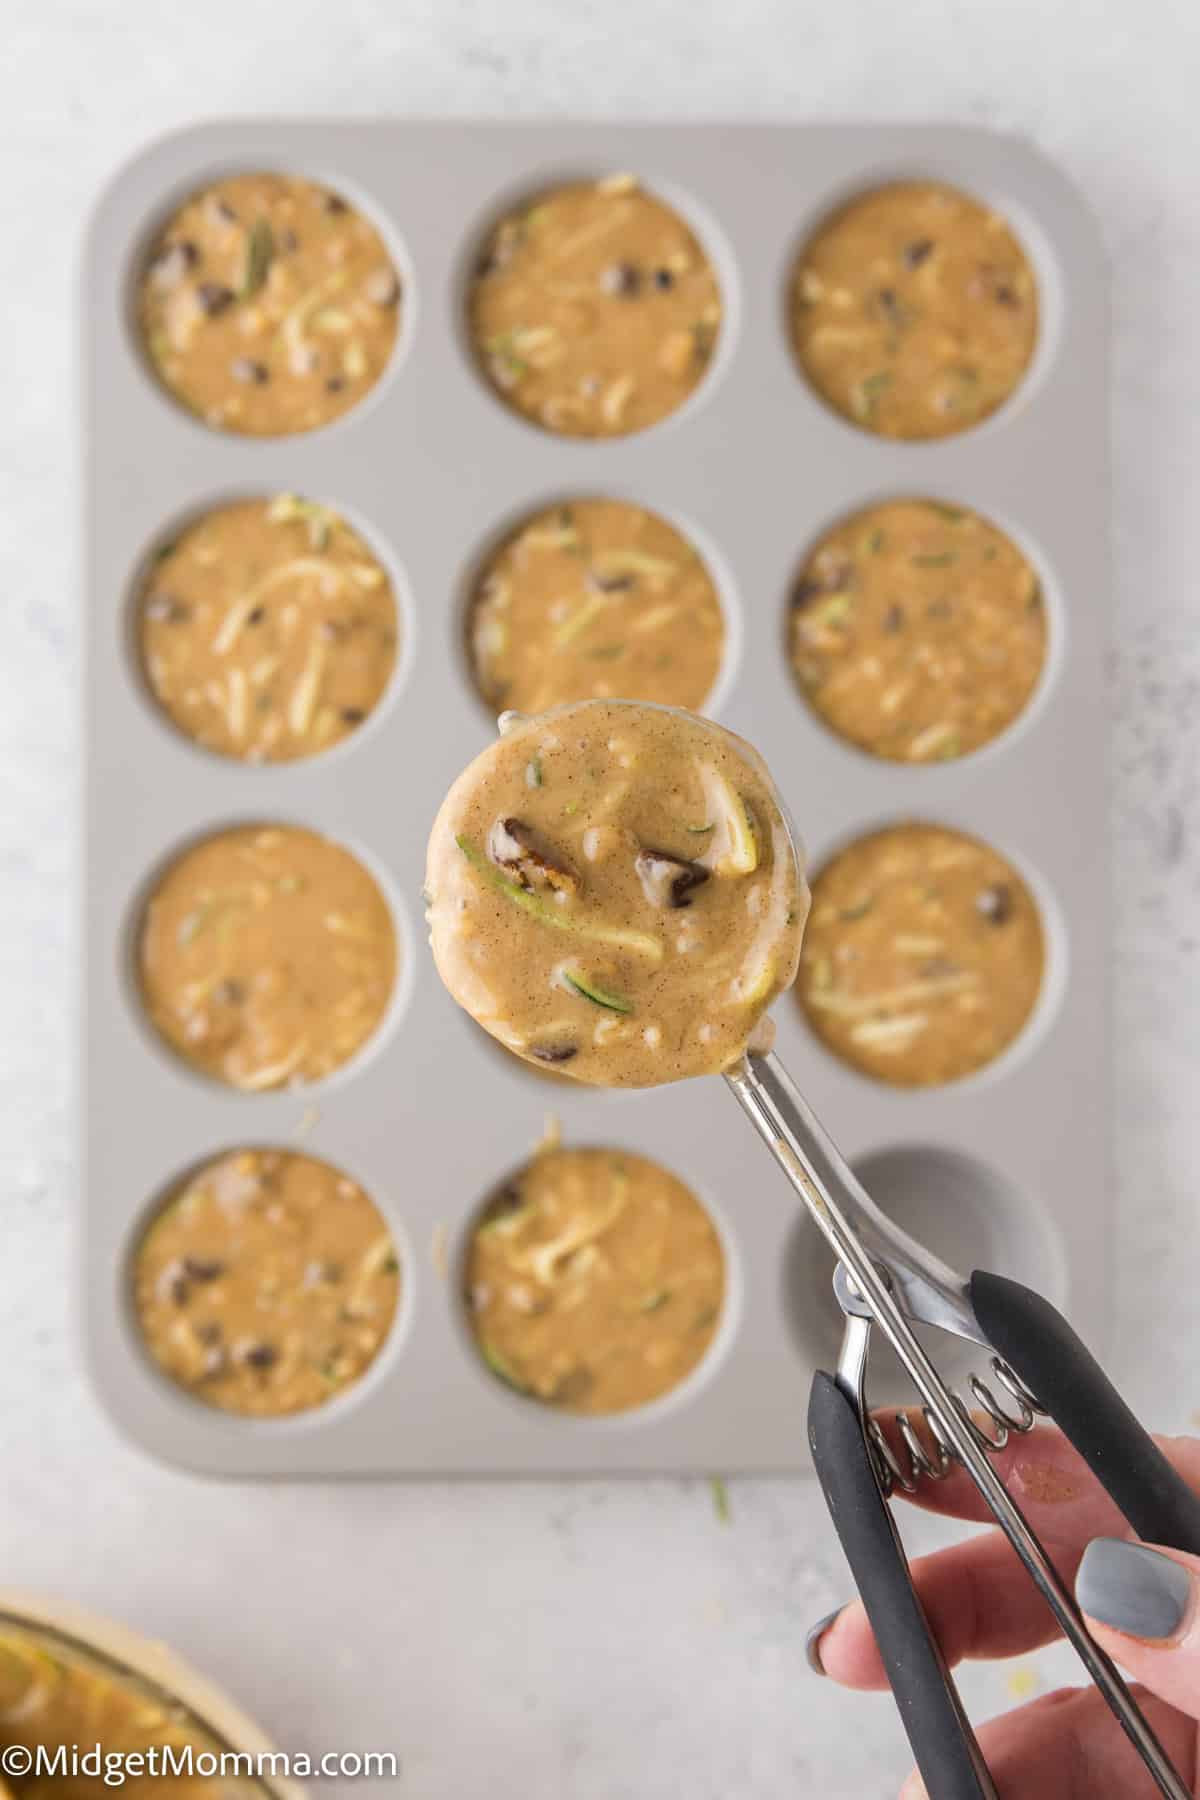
859, 1234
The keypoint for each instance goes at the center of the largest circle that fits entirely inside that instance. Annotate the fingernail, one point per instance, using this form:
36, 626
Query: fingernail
914, 1788
812, 1643
1135, 1590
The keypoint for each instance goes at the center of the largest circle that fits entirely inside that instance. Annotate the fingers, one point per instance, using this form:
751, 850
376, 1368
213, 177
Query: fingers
979, 1603
1143, 1605
1068, 1746
1047, 1478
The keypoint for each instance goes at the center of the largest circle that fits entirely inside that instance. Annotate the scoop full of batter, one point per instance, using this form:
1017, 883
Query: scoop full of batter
614, 891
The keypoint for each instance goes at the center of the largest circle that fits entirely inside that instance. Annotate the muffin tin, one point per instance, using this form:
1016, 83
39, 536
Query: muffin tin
1008, 1169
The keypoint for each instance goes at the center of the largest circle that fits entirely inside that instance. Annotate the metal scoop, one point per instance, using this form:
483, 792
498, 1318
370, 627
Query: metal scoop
886, 1279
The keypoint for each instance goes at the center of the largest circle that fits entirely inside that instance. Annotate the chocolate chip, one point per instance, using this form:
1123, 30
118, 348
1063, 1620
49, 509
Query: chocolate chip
663, 279
611, 584
257, 616
244, 368
995, 902
335, 384
508, 1200
893, 619
260, 1356
333, 203
167, 608
222, 211
382, 287
230, 992
554, 1053
287, 241
914, 254
353, 715
203, 1268
173, 1284
668, 880
623, 279
516, 848
170, 264
212, 297
1004, 295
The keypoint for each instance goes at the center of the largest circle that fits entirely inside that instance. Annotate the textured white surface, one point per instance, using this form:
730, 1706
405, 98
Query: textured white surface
582, 1642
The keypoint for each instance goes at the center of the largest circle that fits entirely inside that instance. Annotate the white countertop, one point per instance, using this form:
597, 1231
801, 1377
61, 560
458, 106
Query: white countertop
586, 1641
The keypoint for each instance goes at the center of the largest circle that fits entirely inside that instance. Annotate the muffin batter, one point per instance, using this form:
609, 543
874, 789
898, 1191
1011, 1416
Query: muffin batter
267, 956
923, 956
917, 631
594, 1280
594, 310
268, 629
53, 1692
591, 599
613, 891
268, 305
266, 1284
914, 311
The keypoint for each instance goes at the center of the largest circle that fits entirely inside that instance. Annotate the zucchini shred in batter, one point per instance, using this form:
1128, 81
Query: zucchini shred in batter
914, 311
266, 1283
266, 956
268, 305
593, 309
589, 599
923, 957
917, 631
267, 629
58, 1693
594, 1280
613, 890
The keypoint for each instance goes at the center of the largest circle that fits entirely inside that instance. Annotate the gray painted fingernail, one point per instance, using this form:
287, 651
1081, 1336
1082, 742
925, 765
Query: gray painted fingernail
1133, 1589
812, 1643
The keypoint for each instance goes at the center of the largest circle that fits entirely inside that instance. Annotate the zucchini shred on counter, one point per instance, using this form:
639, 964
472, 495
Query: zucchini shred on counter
593, 1281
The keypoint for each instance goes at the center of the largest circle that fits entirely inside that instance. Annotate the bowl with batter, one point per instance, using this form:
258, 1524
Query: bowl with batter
917, 631
593, 309
914, 311
924, 956
265, 956
70, 1682
593, 1281
614, 891
267, 629
268, 305
590, 598
266, 1283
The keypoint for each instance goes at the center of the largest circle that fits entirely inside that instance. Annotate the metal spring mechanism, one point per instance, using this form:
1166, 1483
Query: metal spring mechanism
892, 1472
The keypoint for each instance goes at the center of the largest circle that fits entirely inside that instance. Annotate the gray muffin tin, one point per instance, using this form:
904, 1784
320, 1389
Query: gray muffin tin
1008, 1169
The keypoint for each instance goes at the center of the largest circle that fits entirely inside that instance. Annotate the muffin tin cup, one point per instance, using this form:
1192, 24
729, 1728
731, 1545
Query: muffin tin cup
431, 466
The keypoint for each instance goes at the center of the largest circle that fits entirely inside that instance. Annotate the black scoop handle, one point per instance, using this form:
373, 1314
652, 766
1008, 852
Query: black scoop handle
945, 1747
1036, 1341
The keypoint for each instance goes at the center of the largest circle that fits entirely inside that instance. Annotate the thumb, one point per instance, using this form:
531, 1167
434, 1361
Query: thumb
1143, 1606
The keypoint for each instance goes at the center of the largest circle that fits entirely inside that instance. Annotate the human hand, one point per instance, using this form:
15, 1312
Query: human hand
1142, 1605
